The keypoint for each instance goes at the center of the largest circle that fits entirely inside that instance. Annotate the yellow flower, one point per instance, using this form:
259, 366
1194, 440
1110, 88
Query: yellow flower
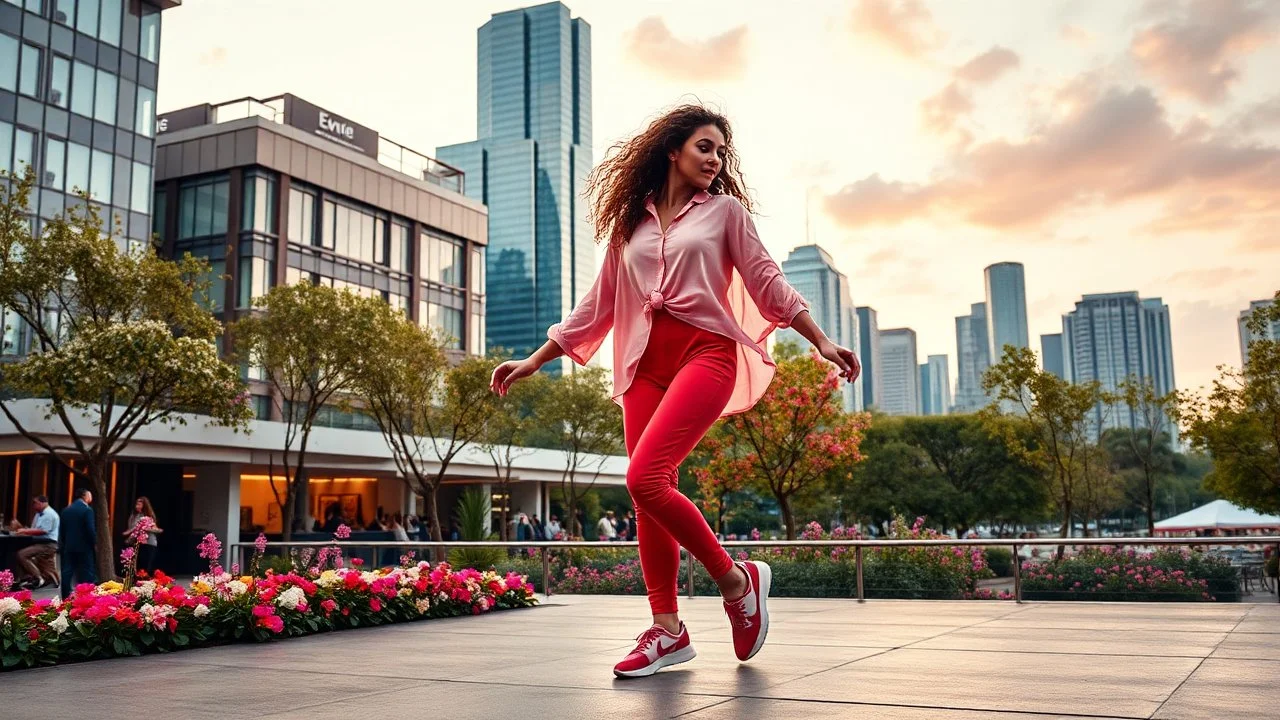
110, 587
246, 579
200, 588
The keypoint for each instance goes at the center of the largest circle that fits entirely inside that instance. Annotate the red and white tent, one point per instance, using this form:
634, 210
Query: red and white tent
1218, 515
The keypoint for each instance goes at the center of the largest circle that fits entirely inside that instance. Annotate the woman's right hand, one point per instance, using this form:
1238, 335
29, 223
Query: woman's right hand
508, 372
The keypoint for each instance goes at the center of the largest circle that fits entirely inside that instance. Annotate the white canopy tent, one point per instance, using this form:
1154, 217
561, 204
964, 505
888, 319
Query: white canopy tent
1218, 515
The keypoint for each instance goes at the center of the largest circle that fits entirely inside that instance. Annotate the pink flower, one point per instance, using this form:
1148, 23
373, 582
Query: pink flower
210, 547
375, 604
6, 580
260, 544
343, 532
126, 556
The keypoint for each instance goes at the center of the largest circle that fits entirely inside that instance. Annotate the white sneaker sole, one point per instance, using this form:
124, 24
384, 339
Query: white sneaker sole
682, 655
766, 580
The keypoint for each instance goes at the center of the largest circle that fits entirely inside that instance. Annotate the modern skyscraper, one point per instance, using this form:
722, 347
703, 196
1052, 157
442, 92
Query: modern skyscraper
972, 358
901, 372
529, 164
1114, 336
1246, 336
812, 272
1006, 308
869, 355
78, 104
1051, 354
935, 386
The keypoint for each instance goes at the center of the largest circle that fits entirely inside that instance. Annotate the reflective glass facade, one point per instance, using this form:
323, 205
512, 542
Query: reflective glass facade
529, 164
972, 359
1006, 308
77, 104
1051, 354
813, 273
1272, 331
901, 372
871, 383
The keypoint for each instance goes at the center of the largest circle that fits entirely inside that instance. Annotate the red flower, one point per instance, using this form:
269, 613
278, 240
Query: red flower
33, 634
375, 604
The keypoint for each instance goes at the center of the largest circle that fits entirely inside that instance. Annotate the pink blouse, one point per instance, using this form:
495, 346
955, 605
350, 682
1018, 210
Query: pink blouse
710, 270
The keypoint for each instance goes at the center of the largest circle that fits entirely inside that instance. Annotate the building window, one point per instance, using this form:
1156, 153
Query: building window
8, 63
445, 319
55, 154
142, 188
77, 168
400, 253
24, 150
100, 176
476, 280
255, 280
441, 260
12, 342
6, 147
112, 12
29, 79
60, 83
351, 232
104, 106
475, 332
65, 12
302, 217
159, 209
149, 42
217, 285
259, 204
87, 17
203, 208
82, 77
145, 120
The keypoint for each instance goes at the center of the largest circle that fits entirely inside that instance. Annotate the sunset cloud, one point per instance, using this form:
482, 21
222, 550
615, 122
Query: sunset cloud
722, 57
942, 113
1192, 50
905, 27
1260, 116
1107, 147
989, 66
1078, 36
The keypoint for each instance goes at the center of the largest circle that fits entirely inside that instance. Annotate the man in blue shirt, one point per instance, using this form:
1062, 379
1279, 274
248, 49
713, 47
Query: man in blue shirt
37, 558
78, 539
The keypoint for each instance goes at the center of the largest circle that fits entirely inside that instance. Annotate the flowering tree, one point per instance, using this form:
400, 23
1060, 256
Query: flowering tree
791, 439
117, 341
310, 341
428, 412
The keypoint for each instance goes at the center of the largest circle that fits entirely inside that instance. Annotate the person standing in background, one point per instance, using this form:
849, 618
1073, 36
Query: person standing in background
146, 548
37, 558
77, 539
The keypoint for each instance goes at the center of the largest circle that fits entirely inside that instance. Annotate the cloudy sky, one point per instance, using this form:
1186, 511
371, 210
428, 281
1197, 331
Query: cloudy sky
1109, 145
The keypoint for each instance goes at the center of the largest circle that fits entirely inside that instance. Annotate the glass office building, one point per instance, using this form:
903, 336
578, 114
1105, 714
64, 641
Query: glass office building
1006, 308
1247, 336
871, 383
77, 105
972, 359
901, 372
935, 386
280, 191
1051, 355
813, 273
529, 165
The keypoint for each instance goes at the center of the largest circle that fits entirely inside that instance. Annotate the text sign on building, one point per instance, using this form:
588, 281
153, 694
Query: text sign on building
333, 127
194, 116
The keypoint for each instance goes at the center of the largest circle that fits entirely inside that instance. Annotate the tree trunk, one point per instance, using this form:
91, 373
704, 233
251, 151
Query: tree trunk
286, 510
784, 504
504, 488
1151, 505
432, 511
104, 550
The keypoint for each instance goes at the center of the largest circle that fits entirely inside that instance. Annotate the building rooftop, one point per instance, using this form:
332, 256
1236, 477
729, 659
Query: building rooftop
288, 109
888, 660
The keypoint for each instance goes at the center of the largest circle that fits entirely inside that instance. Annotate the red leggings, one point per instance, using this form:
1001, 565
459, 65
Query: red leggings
682, 384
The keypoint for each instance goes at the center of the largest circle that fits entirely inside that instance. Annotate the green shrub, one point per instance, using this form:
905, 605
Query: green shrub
1000, 560
1113, 574
278, 564
478, 558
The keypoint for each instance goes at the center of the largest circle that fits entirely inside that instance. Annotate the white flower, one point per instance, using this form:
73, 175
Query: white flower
423, 606
201, 611
145, 589
235, 588
60, 623
290, 599
9, 606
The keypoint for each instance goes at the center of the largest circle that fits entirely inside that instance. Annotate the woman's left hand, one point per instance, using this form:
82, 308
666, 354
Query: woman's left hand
844, 359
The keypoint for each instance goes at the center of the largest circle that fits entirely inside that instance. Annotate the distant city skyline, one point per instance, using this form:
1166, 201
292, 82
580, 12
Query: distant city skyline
900, 370
813, 273
1247, 336
1006, 305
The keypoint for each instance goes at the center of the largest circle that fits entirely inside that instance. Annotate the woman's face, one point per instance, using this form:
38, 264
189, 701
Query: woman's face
137, 506
701, 157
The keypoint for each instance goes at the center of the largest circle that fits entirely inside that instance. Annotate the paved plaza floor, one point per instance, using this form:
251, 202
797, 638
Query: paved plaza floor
892, 660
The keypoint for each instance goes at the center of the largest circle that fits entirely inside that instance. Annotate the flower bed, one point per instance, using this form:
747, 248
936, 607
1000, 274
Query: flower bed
1114, 574
923, 572
158, 615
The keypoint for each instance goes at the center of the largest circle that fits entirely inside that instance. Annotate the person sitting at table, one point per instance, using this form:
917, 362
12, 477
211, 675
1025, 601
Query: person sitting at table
37, 558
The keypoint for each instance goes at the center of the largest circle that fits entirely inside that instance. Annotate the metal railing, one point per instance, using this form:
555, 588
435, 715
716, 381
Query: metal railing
238, 550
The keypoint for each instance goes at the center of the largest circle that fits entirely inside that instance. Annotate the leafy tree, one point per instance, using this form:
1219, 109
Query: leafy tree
588, 427
713, 485
310, 341
119, 341
788, 442
1238, 422
508, 432
1100, 487
1057, 414
1147, 448
428, 412
892, 477
1143, 468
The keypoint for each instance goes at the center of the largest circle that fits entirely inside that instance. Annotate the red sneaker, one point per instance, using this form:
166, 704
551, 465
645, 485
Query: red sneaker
655, 649
748, 614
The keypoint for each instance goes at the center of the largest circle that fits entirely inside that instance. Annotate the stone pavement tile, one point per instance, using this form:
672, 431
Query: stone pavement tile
394, 651
1082, 684
1078, 642
790, 632
475, 701
1252, 646
716, 670
128, 689
1115, 617
1225, 690
739, 708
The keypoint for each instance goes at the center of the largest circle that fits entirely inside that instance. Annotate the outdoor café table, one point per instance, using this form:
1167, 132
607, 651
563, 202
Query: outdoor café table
9, 547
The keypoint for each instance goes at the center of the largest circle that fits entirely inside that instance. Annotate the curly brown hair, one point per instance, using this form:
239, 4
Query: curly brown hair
635, 168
